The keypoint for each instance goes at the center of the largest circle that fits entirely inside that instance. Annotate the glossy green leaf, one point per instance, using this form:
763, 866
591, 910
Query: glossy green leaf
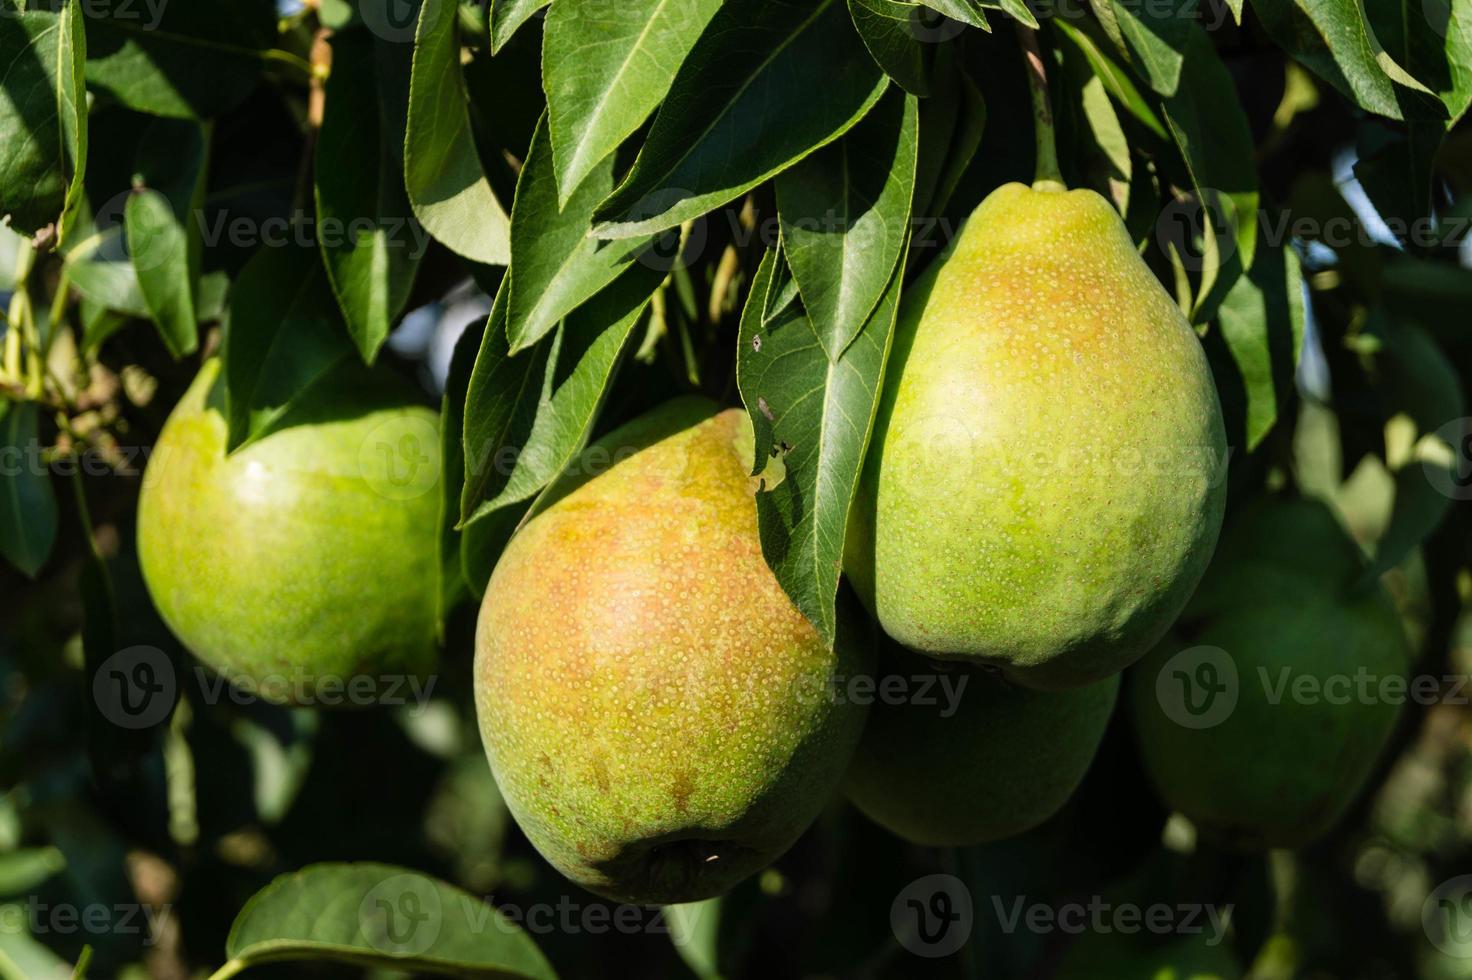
507, 16
1115, 79
1153, 36
371, 243
28, 514
1111, 140
966, 11
180, 59
519, 436
845, 215
381, 916
817, 414
606, 66
1018, 10
1333, 40
160, 254
555, 265
1261, 322
443, 173
43, 117
768, 82
1210, 129
1433, 38
890, 30
285, 334
781, 289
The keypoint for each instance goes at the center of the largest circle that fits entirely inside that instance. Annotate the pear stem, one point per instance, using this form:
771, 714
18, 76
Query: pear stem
1047, 175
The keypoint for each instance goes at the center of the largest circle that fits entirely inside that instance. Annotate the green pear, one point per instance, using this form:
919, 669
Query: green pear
307, 558
1262, 718
1045, 485
956, 755
662, 721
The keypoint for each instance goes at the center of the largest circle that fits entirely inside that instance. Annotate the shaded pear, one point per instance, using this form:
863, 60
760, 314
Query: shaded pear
659, 716
1046, 480
1261, 717
305, 559
956, 755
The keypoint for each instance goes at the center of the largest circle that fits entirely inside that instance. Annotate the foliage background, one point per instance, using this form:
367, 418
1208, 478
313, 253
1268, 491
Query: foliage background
1296, 171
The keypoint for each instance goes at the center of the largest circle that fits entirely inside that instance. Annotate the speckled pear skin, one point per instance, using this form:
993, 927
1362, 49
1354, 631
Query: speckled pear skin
657, 713
1002, 761
1047, 476
300, 561
1276, 774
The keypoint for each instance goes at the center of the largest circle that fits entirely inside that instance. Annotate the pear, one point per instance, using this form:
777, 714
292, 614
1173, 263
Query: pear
660, 718
1262, 720
1045, 484
306, 559
963, 755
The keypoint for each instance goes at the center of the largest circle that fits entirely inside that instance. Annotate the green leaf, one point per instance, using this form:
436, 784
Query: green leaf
1333, 40
1153, 37
1437, 47
285, 334
381, 916
1260, 330
555, 264
519, 436
1418, 380
781, 289
1018, 10
22, 956
1111, 140
966, 11
845, 214
180, 59
606, 66
889, 30
1116, 80
507, 16
43, 117
768, 82
27, 502
442, 170
1210, 129
818, 414
371, 243
160, 254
